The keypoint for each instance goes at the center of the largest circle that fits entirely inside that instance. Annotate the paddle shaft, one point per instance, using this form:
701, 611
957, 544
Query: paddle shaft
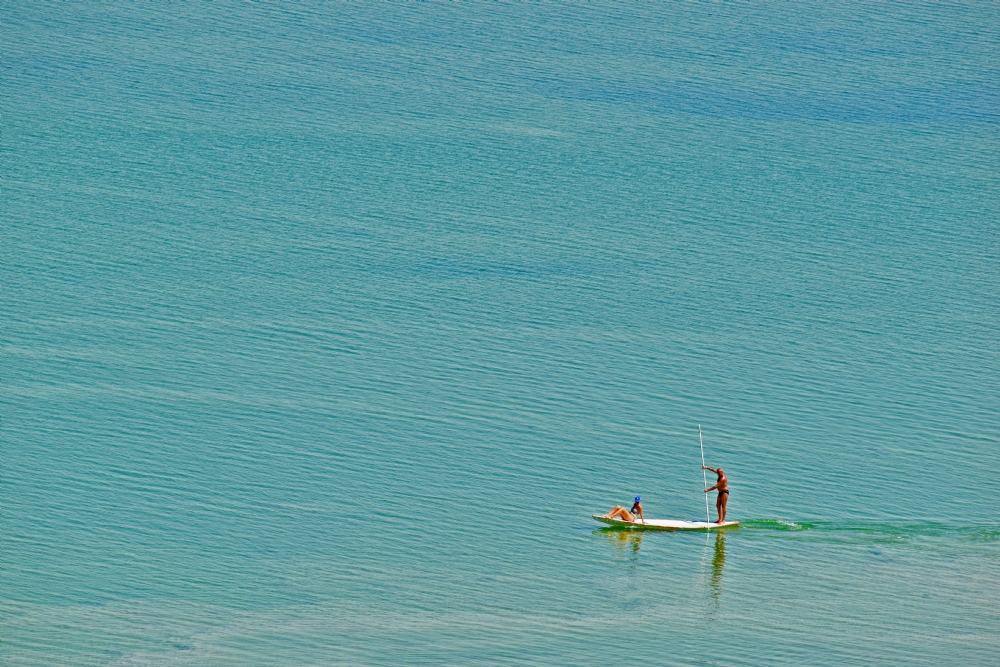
704, 475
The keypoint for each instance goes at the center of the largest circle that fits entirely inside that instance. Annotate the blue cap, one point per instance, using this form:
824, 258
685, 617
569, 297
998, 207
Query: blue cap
637, 499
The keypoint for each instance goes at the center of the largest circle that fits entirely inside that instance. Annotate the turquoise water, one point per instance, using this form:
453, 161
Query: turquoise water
326, 329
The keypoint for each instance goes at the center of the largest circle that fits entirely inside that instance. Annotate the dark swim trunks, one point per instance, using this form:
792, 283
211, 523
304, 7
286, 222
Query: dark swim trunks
725, 491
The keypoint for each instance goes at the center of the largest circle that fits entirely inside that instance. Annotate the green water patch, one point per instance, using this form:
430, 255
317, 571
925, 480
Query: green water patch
992, 535
876, 532
775, 524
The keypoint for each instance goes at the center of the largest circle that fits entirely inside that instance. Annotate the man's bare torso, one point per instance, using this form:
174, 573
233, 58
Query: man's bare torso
723, 483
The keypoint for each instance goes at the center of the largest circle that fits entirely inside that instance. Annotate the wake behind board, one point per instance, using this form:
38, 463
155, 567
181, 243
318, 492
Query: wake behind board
665, 524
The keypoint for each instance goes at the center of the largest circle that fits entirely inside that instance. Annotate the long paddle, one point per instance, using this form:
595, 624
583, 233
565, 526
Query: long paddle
704, 476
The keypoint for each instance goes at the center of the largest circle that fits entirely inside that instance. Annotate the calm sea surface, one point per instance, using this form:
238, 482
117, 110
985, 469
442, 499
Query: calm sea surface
325, 329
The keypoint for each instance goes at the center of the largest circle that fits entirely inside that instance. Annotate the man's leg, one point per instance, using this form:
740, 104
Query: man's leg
718, 506
725, 501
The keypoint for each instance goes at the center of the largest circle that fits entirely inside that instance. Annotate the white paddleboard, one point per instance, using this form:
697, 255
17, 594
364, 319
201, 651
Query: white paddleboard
665, 524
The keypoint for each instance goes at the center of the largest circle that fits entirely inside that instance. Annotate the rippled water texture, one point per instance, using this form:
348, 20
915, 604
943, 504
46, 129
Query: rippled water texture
327, 328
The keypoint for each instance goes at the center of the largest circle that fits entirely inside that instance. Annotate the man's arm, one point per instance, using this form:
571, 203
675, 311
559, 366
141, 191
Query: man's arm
712, 469
712, 488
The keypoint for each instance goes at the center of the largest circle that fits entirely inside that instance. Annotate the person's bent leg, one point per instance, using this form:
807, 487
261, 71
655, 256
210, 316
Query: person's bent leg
620, 513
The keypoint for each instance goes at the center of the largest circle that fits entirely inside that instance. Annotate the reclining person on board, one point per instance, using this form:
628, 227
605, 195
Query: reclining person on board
619, 512
723, 498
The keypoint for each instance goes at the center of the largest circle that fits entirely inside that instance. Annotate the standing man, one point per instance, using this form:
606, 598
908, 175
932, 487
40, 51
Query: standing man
723, 487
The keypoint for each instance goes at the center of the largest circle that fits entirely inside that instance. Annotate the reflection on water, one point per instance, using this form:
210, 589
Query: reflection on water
718, 561
626, 542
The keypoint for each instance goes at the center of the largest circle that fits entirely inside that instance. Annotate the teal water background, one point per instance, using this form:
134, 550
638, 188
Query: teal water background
327, 328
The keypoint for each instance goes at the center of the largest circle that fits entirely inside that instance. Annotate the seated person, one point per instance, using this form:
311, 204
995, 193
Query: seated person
619, 512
